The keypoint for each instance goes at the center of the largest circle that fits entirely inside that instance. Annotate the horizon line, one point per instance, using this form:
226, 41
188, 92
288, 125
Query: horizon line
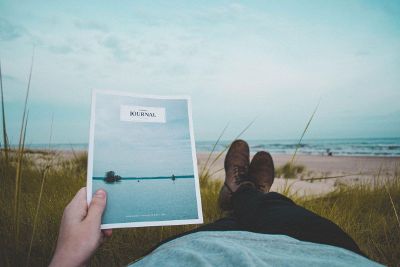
149, 177
248, 140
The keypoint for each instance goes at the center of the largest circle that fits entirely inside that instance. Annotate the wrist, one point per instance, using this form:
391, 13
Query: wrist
62, 258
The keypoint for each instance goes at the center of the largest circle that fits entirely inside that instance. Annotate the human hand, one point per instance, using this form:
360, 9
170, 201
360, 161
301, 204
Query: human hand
80, 234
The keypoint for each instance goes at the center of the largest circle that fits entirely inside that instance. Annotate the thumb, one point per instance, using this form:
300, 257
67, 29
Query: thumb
97, 206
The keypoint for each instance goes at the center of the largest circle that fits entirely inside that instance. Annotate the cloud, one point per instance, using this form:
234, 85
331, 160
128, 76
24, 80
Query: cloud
91, 25
8, 31
361, 53
272, 59
117, 47
60, 49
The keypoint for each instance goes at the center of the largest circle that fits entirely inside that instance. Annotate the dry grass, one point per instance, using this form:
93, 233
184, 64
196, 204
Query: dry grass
60, 185
367, 213
289, 170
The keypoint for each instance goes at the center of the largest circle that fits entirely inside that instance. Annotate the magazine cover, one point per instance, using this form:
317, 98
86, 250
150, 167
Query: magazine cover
142, 153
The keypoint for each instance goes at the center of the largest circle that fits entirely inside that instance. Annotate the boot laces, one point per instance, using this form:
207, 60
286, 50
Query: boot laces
240, 173
261, 186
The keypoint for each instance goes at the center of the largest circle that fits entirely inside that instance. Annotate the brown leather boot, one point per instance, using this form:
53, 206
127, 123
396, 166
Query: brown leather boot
236, 168
262, 171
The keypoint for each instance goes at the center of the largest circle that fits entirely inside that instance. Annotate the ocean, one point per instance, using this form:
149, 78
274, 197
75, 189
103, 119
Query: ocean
388, 147
147, 199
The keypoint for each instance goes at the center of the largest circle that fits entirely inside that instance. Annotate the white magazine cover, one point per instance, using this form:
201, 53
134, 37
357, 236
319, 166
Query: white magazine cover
142, 153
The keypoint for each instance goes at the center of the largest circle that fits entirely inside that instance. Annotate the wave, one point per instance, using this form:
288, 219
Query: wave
342, 147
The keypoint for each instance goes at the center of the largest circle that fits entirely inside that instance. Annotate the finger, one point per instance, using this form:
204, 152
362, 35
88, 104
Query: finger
107, 232
77, 208
79, 196
105, 235
96, 207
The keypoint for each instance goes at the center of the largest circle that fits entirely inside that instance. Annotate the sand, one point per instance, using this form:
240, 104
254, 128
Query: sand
322, 174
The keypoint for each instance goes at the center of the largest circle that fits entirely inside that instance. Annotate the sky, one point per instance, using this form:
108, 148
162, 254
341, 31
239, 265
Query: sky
160, 149
272, 61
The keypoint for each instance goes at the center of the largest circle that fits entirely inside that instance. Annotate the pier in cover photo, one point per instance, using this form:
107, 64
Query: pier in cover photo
142, 153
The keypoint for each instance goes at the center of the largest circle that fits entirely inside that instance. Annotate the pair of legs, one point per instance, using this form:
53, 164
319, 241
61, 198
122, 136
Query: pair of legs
273, 213
253, 208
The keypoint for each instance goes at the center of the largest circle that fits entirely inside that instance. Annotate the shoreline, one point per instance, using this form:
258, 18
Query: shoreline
321, 175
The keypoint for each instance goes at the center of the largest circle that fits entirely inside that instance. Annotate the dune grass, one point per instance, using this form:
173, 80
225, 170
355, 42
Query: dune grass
289, 170
62, 182
367, 212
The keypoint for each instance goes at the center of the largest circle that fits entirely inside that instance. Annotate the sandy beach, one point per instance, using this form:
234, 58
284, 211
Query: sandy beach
322, 174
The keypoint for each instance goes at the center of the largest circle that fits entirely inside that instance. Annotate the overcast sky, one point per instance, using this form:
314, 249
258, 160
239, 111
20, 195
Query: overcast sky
273, 60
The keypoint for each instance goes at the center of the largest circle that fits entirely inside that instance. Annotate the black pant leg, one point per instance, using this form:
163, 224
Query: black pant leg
273, 213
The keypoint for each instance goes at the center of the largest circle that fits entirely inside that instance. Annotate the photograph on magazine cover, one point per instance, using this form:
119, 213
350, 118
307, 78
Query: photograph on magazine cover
142, 153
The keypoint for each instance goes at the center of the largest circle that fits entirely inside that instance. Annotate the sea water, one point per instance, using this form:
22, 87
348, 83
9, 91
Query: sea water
149, 200
382, 147
386, 147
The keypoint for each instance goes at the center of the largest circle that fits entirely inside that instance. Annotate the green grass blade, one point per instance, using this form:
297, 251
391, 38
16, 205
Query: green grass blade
245, 128
393, 205
21, 153
331, 177
26, 99
213, 149
17, 182
21, 145
36, 216
304, 132
5, 137
215, 172
238, 136
44, 173
285, 187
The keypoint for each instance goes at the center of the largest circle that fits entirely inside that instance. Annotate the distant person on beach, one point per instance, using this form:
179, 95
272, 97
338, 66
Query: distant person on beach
262, 228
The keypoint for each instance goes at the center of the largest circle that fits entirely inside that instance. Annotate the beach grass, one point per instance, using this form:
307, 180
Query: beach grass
369, 213
289, 170
62, 181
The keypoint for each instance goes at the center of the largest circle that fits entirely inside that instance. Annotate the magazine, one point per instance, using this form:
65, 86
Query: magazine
142, 153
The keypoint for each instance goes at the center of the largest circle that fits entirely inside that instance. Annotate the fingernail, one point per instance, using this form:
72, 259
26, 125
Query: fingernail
100, 193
